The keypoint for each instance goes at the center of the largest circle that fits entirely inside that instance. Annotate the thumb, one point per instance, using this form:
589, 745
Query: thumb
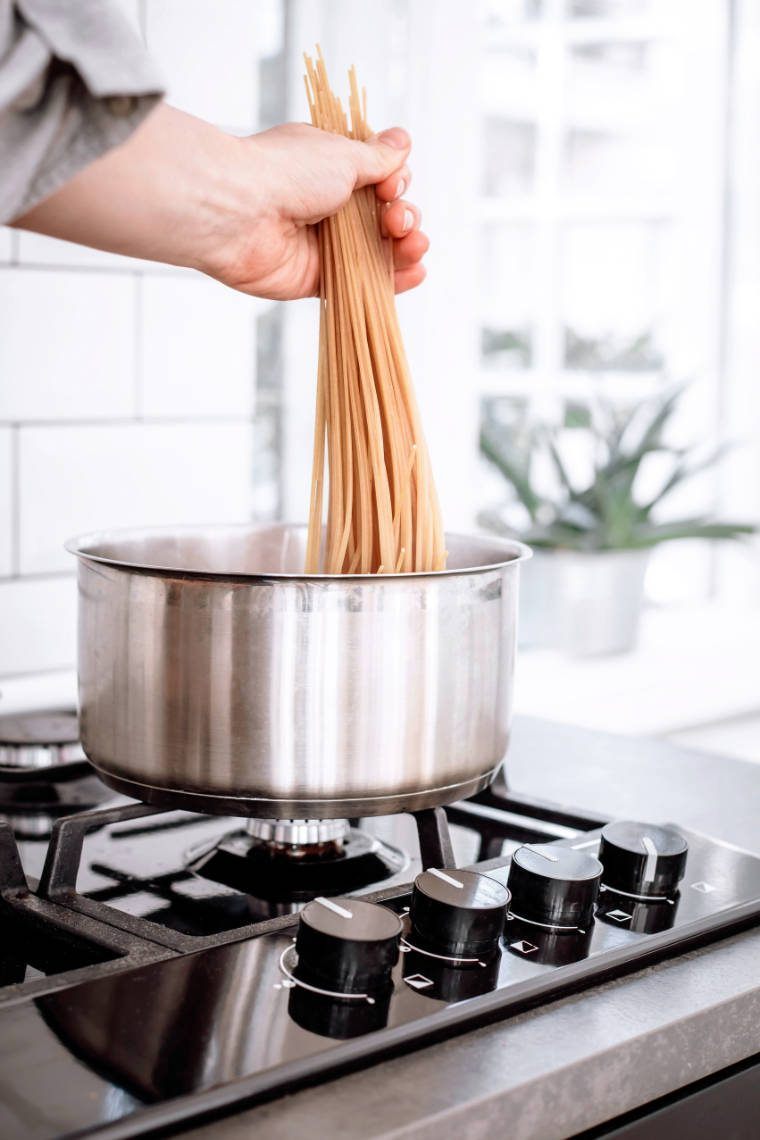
380, 155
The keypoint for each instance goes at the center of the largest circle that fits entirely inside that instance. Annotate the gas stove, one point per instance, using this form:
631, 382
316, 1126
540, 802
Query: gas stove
43, 771
158, 966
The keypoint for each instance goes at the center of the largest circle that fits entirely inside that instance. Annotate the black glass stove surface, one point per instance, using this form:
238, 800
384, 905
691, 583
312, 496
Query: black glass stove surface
150, 1045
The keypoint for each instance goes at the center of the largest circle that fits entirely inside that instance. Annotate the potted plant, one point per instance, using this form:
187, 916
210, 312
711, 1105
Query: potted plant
590, 516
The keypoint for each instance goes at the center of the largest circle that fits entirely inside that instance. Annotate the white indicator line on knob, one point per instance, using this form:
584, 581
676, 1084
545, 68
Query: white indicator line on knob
446, 878
650, 867
335, 907
545, 855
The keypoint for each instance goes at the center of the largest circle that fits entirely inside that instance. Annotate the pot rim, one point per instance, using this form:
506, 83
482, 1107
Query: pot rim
514, 552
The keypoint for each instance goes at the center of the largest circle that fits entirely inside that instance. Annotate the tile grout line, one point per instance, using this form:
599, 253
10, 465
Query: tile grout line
27, 674
38, 576
131, 421
171, 271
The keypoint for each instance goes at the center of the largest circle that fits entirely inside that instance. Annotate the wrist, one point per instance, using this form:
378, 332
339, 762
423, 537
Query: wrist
231, 203
198, 189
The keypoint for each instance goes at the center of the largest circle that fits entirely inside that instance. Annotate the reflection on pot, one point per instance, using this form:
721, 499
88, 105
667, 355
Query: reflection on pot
548, 947
645, 917
446, 982
336, 1017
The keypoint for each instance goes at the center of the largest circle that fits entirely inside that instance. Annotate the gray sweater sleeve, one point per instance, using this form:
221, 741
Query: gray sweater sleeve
75, 80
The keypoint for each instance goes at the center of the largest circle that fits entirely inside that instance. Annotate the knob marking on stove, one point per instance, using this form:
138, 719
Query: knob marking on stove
446, 878
650, 867
418, 981
544, 854
341, 911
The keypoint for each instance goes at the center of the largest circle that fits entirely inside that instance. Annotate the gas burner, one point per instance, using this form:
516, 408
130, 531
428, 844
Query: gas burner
298, 833
40, 740
32, 806
44, 772
288, 861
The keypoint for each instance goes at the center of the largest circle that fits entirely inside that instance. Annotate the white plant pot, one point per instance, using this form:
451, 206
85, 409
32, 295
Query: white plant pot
585, 604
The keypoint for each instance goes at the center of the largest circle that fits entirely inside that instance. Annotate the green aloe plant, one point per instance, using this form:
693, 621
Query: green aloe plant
606, 512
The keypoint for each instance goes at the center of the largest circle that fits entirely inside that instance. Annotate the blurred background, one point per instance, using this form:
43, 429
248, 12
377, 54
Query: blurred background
589, 174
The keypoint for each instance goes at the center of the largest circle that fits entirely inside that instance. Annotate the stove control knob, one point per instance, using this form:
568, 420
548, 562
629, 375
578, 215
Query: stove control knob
459, 914
554, 886
642, 859
345, 945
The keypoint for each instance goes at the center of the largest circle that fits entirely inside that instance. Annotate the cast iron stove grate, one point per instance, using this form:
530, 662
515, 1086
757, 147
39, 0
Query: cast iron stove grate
141, 879
44, 946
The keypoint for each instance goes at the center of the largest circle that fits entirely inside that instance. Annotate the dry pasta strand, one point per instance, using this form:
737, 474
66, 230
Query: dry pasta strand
383, 514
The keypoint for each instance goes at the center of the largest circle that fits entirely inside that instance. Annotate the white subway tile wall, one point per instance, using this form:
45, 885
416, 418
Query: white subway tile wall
197, 349
211, 68
127, 389
39, 624
74, 479
6, 501
67, 348
37, 249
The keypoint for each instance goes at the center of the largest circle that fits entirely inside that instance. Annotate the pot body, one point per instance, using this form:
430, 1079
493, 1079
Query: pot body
586, 604
213, 674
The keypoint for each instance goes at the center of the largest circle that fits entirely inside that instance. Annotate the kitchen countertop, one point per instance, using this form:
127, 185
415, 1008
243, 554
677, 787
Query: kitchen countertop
588, 1058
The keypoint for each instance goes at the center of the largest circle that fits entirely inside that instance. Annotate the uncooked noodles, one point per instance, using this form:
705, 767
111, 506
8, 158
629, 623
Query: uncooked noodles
382, 508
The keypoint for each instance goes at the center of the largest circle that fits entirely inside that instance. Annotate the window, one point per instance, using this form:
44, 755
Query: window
569, 158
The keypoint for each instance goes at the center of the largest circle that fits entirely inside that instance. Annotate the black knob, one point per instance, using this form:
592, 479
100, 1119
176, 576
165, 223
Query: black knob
347, 945
642, 859
457, 913
337, 1017
554, 886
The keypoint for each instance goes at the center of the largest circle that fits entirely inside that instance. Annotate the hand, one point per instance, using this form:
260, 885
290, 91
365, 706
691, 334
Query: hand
241, 210
303, 175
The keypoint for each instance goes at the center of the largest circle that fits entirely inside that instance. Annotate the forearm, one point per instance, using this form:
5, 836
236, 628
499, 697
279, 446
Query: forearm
242, 210
164, 194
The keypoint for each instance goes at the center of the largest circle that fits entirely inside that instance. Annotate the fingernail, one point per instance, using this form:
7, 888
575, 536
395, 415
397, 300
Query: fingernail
408, 220
400, 188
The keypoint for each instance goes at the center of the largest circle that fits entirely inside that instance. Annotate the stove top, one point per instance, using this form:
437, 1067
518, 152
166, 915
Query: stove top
158, 965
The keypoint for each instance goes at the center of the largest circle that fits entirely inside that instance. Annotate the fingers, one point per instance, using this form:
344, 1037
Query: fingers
380, 156
400, 218
409, 278
401, 221
392, 188
410, 250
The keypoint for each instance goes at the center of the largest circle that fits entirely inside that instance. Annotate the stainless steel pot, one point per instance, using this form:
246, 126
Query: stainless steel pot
215, 675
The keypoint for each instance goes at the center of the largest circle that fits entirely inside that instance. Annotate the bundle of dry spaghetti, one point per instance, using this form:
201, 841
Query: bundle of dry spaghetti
382, 509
